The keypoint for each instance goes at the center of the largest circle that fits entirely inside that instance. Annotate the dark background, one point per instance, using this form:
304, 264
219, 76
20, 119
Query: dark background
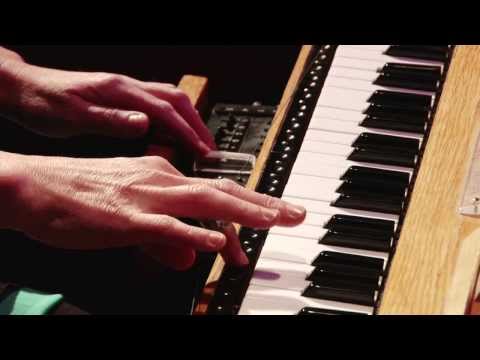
118, 281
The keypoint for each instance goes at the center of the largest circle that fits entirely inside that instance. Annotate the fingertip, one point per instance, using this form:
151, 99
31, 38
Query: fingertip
216, 240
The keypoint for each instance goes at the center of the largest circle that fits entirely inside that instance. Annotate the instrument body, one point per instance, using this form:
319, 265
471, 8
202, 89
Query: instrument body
426, 257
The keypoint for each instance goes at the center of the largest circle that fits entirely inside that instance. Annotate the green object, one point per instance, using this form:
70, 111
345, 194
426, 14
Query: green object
29, 302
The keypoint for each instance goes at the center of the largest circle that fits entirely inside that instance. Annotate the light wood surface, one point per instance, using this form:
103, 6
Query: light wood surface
420, 280
289, 91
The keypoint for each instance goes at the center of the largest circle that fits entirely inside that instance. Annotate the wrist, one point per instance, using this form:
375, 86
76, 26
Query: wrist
11, 84
12, 181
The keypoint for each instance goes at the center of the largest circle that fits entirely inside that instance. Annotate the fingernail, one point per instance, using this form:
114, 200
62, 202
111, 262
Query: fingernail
296, 212
270, 215
136, 117
216, 240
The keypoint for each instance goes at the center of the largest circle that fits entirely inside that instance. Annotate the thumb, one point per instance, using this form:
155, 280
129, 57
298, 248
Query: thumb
117, 123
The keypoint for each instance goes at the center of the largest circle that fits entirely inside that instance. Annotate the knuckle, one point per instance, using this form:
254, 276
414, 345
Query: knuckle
199, 192
180, 96
165, 107
227, 185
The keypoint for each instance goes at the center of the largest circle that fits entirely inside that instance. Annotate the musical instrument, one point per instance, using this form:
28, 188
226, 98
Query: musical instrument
374, 141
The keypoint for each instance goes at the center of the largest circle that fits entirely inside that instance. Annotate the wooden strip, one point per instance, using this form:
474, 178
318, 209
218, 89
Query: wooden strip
272, 135
433, 231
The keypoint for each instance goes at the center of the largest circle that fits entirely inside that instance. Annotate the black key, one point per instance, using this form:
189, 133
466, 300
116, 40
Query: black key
386, 124
387, 143
344, 276
381, 156
382, 204
340, 292
377, 228
423, 52
406, 115
407, 76
350, 187
401, 100
356, 261
371, 174
317, 311
356, 241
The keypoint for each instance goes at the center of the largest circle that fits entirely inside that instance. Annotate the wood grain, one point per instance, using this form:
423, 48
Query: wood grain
277, 123
420, 279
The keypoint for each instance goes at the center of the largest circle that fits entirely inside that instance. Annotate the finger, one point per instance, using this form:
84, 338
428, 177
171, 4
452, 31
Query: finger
111, 121
177, 258
290, 215
164, 113
206, 203
154, 229
233, 253
184, 107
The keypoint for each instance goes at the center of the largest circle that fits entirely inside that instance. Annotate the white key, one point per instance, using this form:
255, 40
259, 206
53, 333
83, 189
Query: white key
324, 208
304, 251
330, 137
349, 73
377, 48
326, 148
310, 163
349, 127
312, 187
306, 231
369, 65
338, 114
281, 274
366, 86
260, 300
362, 54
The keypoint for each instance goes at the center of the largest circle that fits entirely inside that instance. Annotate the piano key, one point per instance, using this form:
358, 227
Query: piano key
360, 54
304, 251
383, 204
323, 164
371, 175
381, 156
307, 231
408, 77
388, 113
352, 85
374, 266
322, 207
357, 241
424, 52
359, 225
309, 311
325, 124
417, 72
360, 187
403, 100
311, 187
336, 291
387, 142
261, 300
393, 125
344, 276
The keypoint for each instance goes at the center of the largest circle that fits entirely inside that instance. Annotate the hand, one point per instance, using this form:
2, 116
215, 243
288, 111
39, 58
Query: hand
102, 203
64, 103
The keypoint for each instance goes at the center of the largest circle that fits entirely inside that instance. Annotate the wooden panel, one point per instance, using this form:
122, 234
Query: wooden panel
260, 164
420, 279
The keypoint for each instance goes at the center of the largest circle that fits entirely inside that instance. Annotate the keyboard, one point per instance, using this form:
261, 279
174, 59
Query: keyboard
349, 150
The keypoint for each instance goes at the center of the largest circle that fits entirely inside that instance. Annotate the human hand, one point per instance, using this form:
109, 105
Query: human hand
102, 203
65, 103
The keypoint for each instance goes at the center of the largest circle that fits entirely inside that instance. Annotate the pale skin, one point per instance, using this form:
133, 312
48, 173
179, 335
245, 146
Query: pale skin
104, 203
